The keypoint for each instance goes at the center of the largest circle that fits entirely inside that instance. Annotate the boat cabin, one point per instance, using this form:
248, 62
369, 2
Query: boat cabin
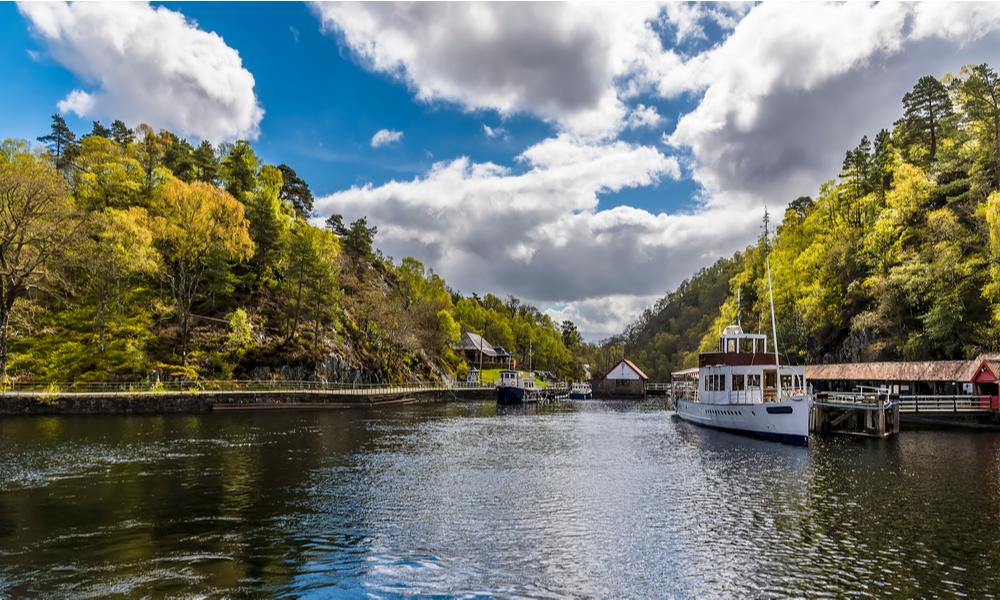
516, 379
742, 371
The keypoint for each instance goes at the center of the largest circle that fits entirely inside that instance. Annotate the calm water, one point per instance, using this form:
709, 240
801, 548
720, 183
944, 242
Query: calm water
594, 500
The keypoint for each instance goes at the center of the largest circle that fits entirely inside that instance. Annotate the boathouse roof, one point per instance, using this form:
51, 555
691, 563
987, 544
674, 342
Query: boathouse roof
476, 342
925, 370
629, 364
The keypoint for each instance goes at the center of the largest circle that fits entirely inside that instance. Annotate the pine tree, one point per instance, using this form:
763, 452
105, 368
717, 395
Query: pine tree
924, 109
121, 133
100, 130
296, 191
206, 164
61, 141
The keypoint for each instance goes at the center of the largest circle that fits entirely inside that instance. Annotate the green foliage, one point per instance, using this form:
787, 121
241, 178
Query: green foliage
899, 258
145, 269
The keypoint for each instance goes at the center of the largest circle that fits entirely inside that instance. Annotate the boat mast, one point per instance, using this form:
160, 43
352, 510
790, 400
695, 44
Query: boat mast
770, 292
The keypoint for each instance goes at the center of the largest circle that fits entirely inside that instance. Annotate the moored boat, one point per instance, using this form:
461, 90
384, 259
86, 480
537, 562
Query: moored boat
744, 389
514, 387
580, 391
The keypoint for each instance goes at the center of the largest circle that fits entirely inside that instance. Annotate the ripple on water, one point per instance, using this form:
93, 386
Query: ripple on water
590, 500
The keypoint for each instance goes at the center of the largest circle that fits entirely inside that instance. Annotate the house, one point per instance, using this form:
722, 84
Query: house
624, 380
472, 345
977, 377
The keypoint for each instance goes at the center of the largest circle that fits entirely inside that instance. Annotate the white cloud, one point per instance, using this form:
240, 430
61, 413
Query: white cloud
539, 232
384, 137
643, 116
796, 85
566, 63
150, 65
78, 101
494, 132
777, 102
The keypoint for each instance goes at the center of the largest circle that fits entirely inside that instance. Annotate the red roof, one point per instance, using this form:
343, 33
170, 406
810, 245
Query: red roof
631, 365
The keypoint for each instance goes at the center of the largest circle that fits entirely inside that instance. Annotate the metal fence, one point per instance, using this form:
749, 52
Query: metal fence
238, 386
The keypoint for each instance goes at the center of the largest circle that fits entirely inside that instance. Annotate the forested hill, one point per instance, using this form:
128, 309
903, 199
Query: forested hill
131, 254
898, 257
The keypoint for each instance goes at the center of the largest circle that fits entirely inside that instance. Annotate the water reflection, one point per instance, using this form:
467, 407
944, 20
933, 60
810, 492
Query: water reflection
588, 499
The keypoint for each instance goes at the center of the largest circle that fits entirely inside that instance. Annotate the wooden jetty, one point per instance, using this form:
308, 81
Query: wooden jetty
866, 413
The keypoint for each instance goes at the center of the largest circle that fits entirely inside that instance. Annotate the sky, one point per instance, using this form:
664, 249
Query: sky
586, 158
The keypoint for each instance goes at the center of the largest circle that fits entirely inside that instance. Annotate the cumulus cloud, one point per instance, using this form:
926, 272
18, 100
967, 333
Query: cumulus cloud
643, 116
147, 64
384, 137
566, 63
795, 85
777, 100
538, 232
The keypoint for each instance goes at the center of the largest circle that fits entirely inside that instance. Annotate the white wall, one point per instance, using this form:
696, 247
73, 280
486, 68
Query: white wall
622, 371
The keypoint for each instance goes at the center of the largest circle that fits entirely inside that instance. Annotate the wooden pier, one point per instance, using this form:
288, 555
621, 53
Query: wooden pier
865, 413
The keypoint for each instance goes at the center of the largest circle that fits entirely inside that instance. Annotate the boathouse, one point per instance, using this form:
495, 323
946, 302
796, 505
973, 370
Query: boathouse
476, 350
977, 377
624, 380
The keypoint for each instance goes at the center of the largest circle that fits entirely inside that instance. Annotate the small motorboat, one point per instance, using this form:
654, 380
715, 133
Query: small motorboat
580, 391
514, 387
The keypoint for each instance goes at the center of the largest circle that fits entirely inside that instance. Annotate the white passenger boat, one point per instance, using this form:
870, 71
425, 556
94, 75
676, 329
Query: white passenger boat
514, 387
745, 389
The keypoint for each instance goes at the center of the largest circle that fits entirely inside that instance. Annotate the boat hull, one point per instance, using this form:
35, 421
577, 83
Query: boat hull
785, 422
581, 395
507, 395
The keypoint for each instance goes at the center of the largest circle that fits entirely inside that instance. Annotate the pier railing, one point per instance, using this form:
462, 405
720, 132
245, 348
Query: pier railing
235, 385
254, 385
911, 403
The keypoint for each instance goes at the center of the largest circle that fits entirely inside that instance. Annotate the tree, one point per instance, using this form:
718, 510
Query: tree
121, 134
239, 169
269, 225
99, 130
150, 154
206, 164
37, 222
570, 335
335, 224
197, 224
359, 239
310, 282
106, 177
295, 191
801, 205
61, 141
118, 250
925, 107
178, 156
978, 92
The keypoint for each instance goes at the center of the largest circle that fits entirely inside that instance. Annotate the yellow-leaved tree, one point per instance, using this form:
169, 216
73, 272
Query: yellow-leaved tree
38, 221
199, 230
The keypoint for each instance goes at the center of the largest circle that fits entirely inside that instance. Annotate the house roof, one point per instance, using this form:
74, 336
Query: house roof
927, 370
476, 342
631, 365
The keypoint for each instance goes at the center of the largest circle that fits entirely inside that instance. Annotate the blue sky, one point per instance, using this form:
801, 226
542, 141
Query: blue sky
321, 105
633, 143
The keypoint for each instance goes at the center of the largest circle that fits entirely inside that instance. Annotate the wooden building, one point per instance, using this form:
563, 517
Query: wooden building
977, 377
476, 350
624, 380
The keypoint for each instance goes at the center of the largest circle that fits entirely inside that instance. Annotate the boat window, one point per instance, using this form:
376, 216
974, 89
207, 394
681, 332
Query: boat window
738, 384
753, 380
786, 381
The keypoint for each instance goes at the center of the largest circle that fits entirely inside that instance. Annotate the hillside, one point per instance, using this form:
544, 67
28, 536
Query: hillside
132, 254
897, 257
